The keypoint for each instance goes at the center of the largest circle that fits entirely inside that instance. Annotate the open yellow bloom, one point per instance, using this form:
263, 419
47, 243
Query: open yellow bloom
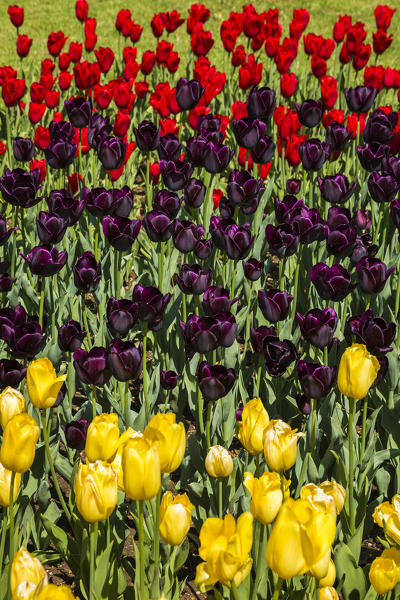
218, 462
301, 539
252, 426
12, 403
26, 574
387, 516
117, 462
280, 445
357, 371
20, 435
102, 438
55, 592
175, 518
5, 483
225, 546
336, 491
266, 495
328, 593
318, 498
96, 491
43, 383
171, 438
141, 468
383, 574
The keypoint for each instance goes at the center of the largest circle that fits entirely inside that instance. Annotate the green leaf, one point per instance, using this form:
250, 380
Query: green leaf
352, 578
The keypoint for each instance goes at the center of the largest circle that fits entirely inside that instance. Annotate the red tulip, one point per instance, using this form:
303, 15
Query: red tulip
81, 10
129, 54
329, 93
383, 15
63, 61
121, 124
381, 41
229, 35
75, 52
55, 42
292, 149
131, 69
250, 73
148, 62
374, 76
341, 27
90, 42
36, 112
354, 38
123, 21
42, 137
37, 92
272, 45
201, 41
64, 80
103, 94
16, 14
157, 25
38, 164
12, 91
332, 115
362, 57
318, 66
86, 74
252, 24
173, 21
288, 84
123, 96
52, 98
172, 62
105, 58
24, 44
135, 32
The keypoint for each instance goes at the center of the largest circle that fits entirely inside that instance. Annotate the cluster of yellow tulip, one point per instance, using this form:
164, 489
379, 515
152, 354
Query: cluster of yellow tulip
384, 573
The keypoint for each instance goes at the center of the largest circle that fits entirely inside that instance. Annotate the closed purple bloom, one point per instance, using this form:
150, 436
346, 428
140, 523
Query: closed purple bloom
244, 190
336, 189
203, 248
274, 304
6, 281
375, 332
193, 279
186, 234
75, 434
12, 317
258, 335
293, 186
216, 300
371, 156
263, 151
238, 241
195, 150
261, 103
188, 93
167, 202
169, 380
310, 112
91, 367
338, 216
23, 148
121, 232
4, 232
152, 304
215, 381
66, 206
99, 127
372, 275
45, 260
218, 228
26, 340
87, 273
12, 372
147, 136
360, 99
176, 173
308, 225
288, 208
382, 187
278, 354
303, 403
194, 193
60, 153
98, 201
124, 359
20, 187
362, 219
217, 157
316, 380
340, 241
391, 164
203, 334
282, 240
337, 136
380, 127
111, 152
121, 316
169, 147
122, 203
79, 111
313, 153
50, 227
70, 336
363, 247
158, 225
253, 269
61, 130
318, 326
248, 131
331, 283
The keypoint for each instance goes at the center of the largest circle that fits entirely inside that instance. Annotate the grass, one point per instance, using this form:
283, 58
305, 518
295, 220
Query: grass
44, 16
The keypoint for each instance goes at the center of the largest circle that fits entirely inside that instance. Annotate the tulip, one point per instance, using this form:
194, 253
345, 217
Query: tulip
280, 445
215, 381
79, 111
328, 593
12, 403
121, 316
188, 93
274, 304
98, 128
218, 462
387, 516
102, 438
238, 241
337, 136
87, 273
141, 468
11, 373
203, 334
336, 491
60, 153
216, 300
278, 354
330, 577
55, 592
310, 112
309, 533
98, 201
171, 438
360, 98
374, 332
75, 434
293, 186
152, 304
61, 203
283, 240
147, 136
263, 151
244, 190
316, 380
317, 497
193, 279
122, 203
194, 193
169, 380
5, 484
384, 573
225, 547
24, 340
17, 450
358, 370
70, 336
111, 152
50, 227
43, 383
266, 495
382, 187
380, 127
254, 421
176, 174
331, 283
253, 269
261, 103
158, 225
372, 275
124, 359
26, 574
121, 232
96, 491
313, 154
318, 326
372, 156
336, 189
248, 131
92, 367
175, 518
23, 149
19, 187
288, 208
45, 260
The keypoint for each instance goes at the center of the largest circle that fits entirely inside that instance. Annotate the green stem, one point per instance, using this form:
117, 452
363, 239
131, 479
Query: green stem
208, 425
257, 473
4, 524
259, 374
126, 403
351, 466
278, 588
96, 240
94, 411
70, 382
117, 273
200, 407
145, 390
234, 591
85, 320
247, 326
160, 257
313, 420
14, 243
148, 199
364, 429
220, 483
261, 564
41, 304
53, 308
233, 277
11, 513
93, 545
296, 282
141, 549
156, 591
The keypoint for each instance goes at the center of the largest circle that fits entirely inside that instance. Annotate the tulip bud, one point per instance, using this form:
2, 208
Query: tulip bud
252, 426
280, 445
330, 577
43, 383
5, 483
141, 467
337, 491
328, 593
20, 435
102, 438
218, 462
175, 518
26, 574
12, 403
171, 438
383, 574
96, 491
357, 371
55, 592
266, 495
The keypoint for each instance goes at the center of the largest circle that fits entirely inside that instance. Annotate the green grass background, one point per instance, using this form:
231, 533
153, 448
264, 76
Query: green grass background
44, 16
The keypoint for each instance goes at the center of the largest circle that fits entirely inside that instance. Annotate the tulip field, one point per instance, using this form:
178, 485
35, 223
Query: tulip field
200, 306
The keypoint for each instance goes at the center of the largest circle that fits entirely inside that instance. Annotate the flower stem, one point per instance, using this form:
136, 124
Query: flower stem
160, 265
234, 592
313, 420
117, 273
93, 401
41, 304
220, 482
85, 321
278, 588
141, 548
260, 560
14, 244
156, 584
11, 513
93, 545
351, 465
3, 537
126, 403
208, 425
70, 382
148, 199
364, 429
200, 406
145, 391
296, 282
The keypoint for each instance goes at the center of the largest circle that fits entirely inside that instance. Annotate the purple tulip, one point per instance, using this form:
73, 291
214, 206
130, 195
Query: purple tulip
122, 202
70, 336
194, 193
20, 187
316, 380
363, 247
391, 164
195, 150
64, 205
360, 99
310, 112
215, 381
372, 275
121, 316
24, 340
218, 228
336, 189
87, 273
303, 403
147, 136
261, 103
176, 173
337, 136
278, 354
371, 157
216, 300
75, 434
61, 130
253, 269
293, 186
308, 225
79, 111
169, 380
313, 153
92, 367
288, 208
60, 153
257, 336
45, 261
111, 152
124, 359
362, 219
158, 225
208, 124
11, 373
375, 332
382, 187
4, 232
23, 148
216, 157
169, 147
203, 334
186, 234
244, 190
12, 316
188, 93
98, 201
380, 127
338, 216
193, 279
238, 241
167, 202
318, 326
282, 240
121, 232
50, 227
395, 212
263, 151
340, 241
331, 283
248, 131
152, 304
203, 248
6, 281
274, 304
99, 127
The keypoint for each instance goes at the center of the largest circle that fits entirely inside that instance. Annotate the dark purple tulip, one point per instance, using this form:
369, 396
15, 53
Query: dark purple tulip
6, 281
337, 136
375, 332
121, 316
318, 326
45, 261
157, 225
152, 304
380, 127
391, 164
167, 202
13, 317
313, 154
188, 93
193, 279
70, 336
215, 381
303, 403
338, 216
227, 329
257, 336
79, 111
176, 173
147, 136
395, 212
87, 273
218, 228
244, 190
308, 225
111, 152
99, 127
50, 227
331, 283
238, 414
122, 202
75, 434
169, 380
25, 340
169, 147
66, 206
23, 148
208, 124
238, 241
316, 380
60, 153
336, 189
11, 373
227, 209
4, 232
216, 300
121, 232
263, 151
124, 359
98, 201
289, 208
293, 186
253, 269
91, 366
360, 99
310, 112
363, 247
61, 130
274, 304
371, 156
248, 131
278, 354
382, 188
340, 241
60, 395
195, 150
203, 248
194, 193
372, 275
203, 334
20, 187
362, 219
217, 157
282, 240
186, 234
261, 103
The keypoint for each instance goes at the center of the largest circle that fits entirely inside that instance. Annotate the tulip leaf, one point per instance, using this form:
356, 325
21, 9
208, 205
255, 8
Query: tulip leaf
63, 543
352, 578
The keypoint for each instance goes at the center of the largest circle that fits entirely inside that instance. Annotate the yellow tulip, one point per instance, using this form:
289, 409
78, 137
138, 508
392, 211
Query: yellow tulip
141, 468
175, 518
171, 438
330, 577
218, 462
117, 462
336, 491
266, 495
387, 516
301, 539
252, 426
55, 592
357, 371
43, 383
102, 438
26, 575
96, 491
314, 494
383, 574
12, 403
20, 435
225, 547
328, 593
280, 445
5, 483
393, 554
